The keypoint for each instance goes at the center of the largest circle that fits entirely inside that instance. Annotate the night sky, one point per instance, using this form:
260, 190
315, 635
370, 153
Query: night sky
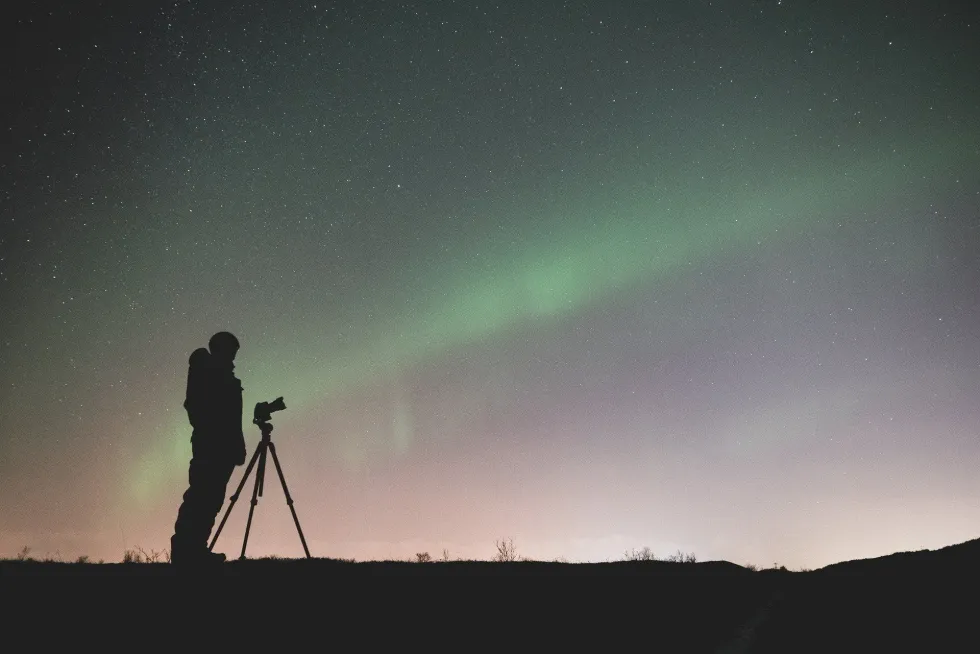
592, 276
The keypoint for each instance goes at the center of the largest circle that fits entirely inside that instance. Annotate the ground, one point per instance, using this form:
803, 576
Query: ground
918, 601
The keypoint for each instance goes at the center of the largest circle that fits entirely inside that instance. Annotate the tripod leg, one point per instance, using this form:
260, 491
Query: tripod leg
289, 500
261, 473
255, 491
234, 497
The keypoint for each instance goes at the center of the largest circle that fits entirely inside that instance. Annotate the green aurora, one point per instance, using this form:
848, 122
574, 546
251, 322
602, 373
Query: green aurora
634, 235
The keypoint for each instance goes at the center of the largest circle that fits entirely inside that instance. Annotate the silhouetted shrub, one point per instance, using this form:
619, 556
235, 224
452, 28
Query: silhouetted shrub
681, 557
646, 554
139, 555
506, 552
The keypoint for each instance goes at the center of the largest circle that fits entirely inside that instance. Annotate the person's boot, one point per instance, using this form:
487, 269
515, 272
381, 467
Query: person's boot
188, 555
215, 557
198, 560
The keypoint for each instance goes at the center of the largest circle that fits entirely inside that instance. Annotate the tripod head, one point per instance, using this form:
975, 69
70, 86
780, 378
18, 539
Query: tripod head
266, 429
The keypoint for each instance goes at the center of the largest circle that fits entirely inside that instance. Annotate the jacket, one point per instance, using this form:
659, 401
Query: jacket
213, 402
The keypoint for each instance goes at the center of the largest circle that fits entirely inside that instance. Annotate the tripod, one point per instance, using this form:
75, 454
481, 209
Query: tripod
265, 445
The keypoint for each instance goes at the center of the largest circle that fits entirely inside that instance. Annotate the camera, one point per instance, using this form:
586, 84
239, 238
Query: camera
264, 410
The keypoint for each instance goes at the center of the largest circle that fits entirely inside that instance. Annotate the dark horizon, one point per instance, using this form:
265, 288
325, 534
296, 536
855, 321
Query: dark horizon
593, 277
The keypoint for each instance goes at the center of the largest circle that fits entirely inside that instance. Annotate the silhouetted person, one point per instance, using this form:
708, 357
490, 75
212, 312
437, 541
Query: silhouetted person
214, 408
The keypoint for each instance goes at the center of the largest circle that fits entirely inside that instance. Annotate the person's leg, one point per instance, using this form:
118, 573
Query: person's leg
219, 474
190, 538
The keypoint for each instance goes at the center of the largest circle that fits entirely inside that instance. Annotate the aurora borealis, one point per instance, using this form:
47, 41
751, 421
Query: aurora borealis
591, 276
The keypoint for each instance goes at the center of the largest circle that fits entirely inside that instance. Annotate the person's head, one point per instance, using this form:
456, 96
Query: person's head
223, 346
